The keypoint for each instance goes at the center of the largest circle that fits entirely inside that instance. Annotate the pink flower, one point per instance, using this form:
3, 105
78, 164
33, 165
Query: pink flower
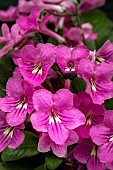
45, 143
68, 59
102, 135
94, 114
11, 14
57, 5
34, 63
104, 54
86, 153
10, 136
9, 37
74, 35
30, 23
87, 4
88, 32
98, 80
18, 101
55, 114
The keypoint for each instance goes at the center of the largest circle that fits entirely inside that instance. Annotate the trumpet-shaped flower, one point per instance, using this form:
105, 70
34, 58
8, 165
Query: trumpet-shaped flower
55, 114
9, 37
86, 153
10, 136
98, 80
102, 135
68, 59
34, 63
94, 114
18, 101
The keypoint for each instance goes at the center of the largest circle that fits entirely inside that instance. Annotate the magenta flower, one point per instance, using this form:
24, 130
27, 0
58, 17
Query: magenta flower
18, 101
94, 114
102, 135
88, 32
45, 143
55, 114
68, 59
74, 35
30, 23
35, 63
9, 37
98, 80
104, 54
87, 4
86, 153
10, 14
57, 5
10, 136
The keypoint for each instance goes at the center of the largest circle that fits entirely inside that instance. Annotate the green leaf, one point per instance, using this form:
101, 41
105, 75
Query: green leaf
103, 26
78, 84
109, 104
41, 167
27, 149
52, 40
52, 162
6, 68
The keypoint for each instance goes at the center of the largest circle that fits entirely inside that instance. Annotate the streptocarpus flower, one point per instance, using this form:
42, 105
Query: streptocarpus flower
94, 114
9, 15
88, 32
10, 136
57, 5
9, 37
68, 59
18, 101
104, 54
55, 114
74, 35
98, 80
102, 135
34, 63
86, 153
86, 5
29, 24
45, 143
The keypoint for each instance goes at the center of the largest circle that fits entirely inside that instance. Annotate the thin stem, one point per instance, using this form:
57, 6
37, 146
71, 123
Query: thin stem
61, 14
79, 23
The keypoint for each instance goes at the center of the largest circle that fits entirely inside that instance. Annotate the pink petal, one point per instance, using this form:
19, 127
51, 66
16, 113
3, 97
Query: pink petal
63, 55
44, 143
42, 100
59, 150
72, 118
79, 52
63, 99
39, 121
58, 133
18, 138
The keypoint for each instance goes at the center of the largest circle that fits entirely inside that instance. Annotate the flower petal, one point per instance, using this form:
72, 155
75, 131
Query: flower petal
42, 100
63, 55
79, 52
17, 139
105, 152
59, 150
72, 118
44, 143
39, 121
100, 134
83, 150
58, 133
63, 99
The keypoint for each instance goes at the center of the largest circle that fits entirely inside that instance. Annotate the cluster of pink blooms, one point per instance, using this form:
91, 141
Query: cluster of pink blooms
38, 92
